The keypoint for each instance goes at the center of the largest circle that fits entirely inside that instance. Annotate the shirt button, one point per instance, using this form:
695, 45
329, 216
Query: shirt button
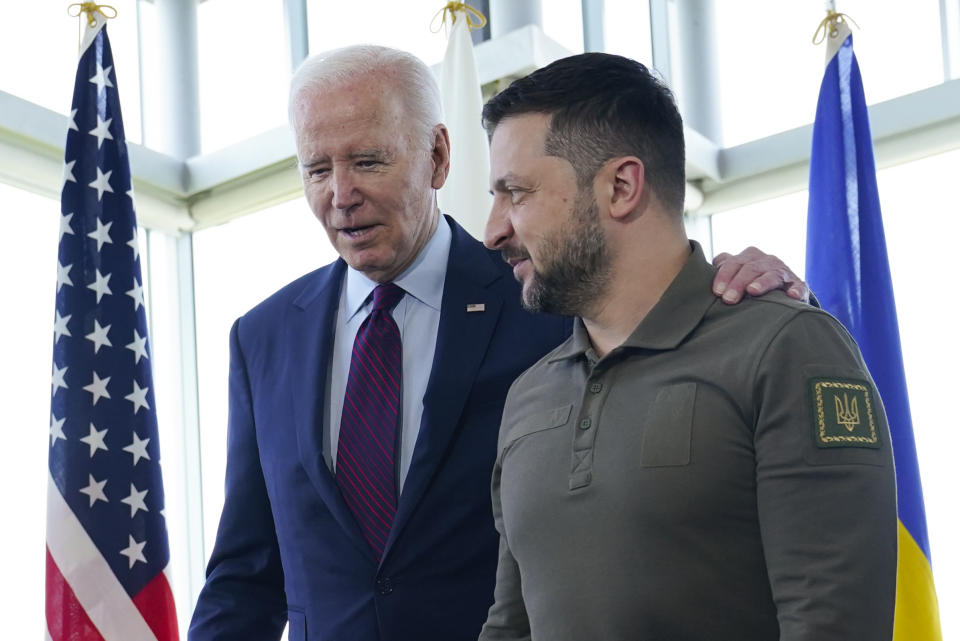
585, 424
595, 388
384, 586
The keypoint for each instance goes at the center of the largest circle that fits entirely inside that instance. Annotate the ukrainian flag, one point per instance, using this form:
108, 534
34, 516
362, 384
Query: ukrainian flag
847, 267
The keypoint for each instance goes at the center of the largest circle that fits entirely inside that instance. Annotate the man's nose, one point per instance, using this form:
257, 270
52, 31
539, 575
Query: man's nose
344, 187
498, 229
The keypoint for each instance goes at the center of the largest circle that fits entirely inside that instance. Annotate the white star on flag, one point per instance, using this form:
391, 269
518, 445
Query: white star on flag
65, 227
138, 346
137, 295
138, 448
57, 378
138, 397
95, 440
102, 78
56, 429
60, 326
94, 490
135, 500
102, 183
134, 243
134, 552
63, 275
99, 336
102, 130
102, 234
98, 388
68, 176
73, 122
101, 285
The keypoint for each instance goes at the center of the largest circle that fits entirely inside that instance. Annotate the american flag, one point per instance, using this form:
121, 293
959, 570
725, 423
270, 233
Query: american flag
107, 551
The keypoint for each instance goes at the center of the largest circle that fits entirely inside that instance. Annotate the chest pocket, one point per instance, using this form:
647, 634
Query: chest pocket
668, 427
538, 422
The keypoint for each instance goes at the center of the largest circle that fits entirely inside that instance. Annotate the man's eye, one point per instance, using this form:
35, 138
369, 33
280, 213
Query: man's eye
317, 172
367, 164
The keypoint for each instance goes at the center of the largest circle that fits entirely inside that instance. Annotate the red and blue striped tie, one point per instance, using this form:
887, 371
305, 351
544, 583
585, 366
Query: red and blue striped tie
366, 473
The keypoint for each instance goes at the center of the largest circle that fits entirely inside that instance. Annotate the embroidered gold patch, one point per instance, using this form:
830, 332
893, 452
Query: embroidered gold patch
843, 413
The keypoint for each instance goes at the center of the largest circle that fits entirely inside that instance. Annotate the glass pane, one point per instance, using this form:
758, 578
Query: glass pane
563, 22
236, 266
770, 72
777, 226
920, 207
26, 342
244, 69
41, 57
401, 25
626, 27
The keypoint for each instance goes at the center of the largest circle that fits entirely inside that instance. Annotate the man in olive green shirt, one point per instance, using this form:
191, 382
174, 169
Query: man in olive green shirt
678, 469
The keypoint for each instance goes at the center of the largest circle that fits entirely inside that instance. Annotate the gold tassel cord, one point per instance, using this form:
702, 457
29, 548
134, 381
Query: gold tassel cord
828, 26
475, 19
91, 8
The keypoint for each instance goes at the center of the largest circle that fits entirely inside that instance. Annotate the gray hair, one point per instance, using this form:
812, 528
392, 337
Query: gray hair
414, 80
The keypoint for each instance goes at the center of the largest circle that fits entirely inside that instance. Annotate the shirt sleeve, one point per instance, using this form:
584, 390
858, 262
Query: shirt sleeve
826, 489
507, 619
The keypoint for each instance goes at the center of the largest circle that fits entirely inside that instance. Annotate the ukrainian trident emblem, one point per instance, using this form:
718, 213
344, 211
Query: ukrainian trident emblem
848, 414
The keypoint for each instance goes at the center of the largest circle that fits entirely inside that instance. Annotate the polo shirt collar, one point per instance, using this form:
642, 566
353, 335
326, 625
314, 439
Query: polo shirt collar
676, 314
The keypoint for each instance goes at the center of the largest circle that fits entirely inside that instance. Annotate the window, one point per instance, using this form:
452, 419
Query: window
770, 72
236, 266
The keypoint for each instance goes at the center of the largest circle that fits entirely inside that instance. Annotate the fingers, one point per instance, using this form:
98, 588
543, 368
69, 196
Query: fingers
752, 272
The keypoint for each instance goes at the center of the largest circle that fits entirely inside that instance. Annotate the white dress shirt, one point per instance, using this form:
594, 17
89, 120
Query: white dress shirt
418, 317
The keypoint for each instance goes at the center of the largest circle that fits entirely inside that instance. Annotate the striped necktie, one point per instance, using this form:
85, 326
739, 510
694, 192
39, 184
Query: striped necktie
366, 471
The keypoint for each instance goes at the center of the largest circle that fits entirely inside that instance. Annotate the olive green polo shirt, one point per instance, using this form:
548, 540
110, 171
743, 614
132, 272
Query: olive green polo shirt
725, 474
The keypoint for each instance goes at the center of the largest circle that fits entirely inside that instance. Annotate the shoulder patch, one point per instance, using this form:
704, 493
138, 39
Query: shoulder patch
843, 412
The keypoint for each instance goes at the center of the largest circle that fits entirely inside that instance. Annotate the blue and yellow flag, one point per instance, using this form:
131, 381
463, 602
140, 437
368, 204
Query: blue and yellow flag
848, 269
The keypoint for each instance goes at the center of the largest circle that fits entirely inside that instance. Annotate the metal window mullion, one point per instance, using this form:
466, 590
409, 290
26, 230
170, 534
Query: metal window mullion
592, 13
950, 38
298, 39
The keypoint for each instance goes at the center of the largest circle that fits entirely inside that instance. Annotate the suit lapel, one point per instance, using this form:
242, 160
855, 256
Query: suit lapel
462, 340
311, 341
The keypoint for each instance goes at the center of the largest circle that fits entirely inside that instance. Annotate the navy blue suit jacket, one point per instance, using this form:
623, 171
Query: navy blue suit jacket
288, 548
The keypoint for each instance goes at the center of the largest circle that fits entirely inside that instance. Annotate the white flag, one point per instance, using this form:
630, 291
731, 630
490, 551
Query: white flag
466, 194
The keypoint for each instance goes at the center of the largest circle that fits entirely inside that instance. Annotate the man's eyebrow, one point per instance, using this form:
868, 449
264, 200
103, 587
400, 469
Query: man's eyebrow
314, 163
500, 184
368, 153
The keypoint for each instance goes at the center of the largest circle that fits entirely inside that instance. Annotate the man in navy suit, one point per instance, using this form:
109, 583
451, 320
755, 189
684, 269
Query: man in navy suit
292, 546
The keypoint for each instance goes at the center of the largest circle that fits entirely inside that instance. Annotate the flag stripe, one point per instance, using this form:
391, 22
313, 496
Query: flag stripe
917, 617
155, 602
66, 618
88, 575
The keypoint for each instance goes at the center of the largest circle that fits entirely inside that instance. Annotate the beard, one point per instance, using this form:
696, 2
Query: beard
575, 265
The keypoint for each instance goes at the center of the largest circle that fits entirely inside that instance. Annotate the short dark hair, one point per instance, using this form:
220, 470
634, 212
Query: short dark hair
602, 106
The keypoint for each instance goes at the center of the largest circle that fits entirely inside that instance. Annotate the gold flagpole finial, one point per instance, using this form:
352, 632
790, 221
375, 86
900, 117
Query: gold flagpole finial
475, 19
828, 27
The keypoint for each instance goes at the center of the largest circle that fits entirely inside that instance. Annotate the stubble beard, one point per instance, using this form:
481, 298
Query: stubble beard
576, 266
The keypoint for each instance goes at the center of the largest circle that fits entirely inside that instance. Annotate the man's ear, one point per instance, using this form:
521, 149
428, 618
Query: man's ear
440, 155
626, 185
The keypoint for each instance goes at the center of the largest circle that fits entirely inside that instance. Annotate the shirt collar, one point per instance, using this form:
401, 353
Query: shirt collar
676, 314
423, 279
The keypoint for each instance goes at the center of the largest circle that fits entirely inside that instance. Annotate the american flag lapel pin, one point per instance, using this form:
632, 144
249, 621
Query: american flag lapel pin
476, 307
